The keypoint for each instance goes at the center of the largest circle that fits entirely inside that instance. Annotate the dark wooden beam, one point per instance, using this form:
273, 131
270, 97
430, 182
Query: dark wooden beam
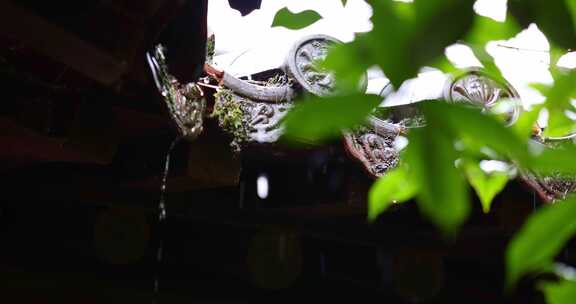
58, 44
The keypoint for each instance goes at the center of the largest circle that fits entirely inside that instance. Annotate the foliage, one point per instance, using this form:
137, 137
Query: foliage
432, 152
555, 18
538, 242
210, 49
559, 160
391, 189
230, 116
486, 185
344, 112
558, 102
277, 80
448, 150
404, 38
294, 21
445, 201
560, 293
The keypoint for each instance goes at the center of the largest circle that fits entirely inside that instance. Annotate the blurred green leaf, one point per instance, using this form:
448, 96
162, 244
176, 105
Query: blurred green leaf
433, 32
558, 160
317, 119
443, 193
348, 62
571, 4
444, 65
473, 126
524, 126
394, 187
540, 239
558, 98
554, 18
563, 292
487, 29
488, 64
540, 87
295, 21
431, 154
344, 2
407, 36
486, 185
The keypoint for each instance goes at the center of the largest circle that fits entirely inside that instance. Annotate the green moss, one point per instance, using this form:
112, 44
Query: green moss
228, 111
277, 81
210, 49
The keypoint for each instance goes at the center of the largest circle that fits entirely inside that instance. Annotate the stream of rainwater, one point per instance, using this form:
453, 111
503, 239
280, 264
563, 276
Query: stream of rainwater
161, 211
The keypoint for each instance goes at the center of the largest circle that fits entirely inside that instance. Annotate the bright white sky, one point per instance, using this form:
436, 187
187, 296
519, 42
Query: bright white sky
262, 47
246, 45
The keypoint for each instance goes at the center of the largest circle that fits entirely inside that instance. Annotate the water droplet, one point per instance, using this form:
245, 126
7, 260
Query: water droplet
262, 186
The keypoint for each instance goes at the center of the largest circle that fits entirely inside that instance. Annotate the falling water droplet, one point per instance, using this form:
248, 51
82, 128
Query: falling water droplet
161, 220
262, 186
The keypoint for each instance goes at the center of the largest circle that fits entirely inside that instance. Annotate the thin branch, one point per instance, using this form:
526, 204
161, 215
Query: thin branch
521, 49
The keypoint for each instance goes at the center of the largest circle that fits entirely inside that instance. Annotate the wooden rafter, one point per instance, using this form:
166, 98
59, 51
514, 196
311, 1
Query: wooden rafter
58, 44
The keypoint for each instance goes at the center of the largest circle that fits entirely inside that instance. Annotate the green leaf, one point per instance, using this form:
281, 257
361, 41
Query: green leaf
433, 34
571, 4
444, 65
348, 62
524, 126
557, 160
344, 2
394, 187
563, 292
554, 18
443, 193
405, 37
318, 119
486, 185
487, 29
475, 127
408, 36
431, 154
295, 21
558, 101
488, 64
540, 239
558, 98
